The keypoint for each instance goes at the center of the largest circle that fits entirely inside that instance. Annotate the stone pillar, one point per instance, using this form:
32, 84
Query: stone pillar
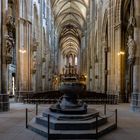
0, 42
4, 97
34, 63
117, 63
88, 67
73, 60
135, 103
23, 83
83, 55
62, 63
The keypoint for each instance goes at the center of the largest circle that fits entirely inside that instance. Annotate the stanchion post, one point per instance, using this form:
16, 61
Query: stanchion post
105, 109
116, 117
105, 103
36, 108
48, 126
26, 118
96, 127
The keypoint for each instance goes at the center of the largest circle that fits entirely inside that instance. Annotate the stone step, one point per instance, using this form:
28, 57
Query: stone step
70, 125
91, 113
71, 134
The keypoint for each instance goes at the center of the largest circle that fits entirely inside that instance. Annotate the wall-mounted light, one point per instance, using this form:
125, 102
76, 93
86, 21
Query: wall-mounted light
85, 76
121, 53
22, 51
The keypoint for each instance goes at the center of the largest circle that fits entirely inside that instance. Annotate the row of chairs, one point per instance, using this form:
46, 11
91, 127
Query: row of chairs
108, 100
40, 101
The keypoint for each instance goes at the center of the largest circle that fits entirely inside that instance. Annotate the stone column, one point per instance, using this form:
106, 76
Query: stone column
4, 97
0, 42
23, 58
62, 63
83, 55
117, 63
34, 63
88, 67
135, 103
73, 60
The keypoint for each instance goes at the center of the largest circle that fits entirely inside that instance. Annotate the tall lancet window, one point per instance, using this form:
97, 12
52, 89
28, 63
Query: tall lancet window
75, 60
70, 59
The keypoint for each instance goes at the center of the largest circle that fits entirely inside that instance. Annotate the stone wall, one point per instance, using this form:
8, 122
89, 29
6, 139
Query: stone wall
111, 24
34, 47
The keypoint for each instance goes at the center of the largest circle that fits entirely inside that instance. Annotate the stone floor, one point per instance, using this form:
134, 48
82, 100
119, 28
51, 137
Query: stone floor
12, 123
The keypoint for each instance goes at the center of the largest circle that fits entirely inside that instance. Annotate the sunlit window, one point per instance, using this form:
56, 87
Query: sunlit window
76, 60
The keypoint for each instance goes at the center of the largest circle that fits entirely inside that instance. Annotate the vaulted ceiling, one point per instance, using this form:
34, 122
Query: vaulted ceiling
70, 17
